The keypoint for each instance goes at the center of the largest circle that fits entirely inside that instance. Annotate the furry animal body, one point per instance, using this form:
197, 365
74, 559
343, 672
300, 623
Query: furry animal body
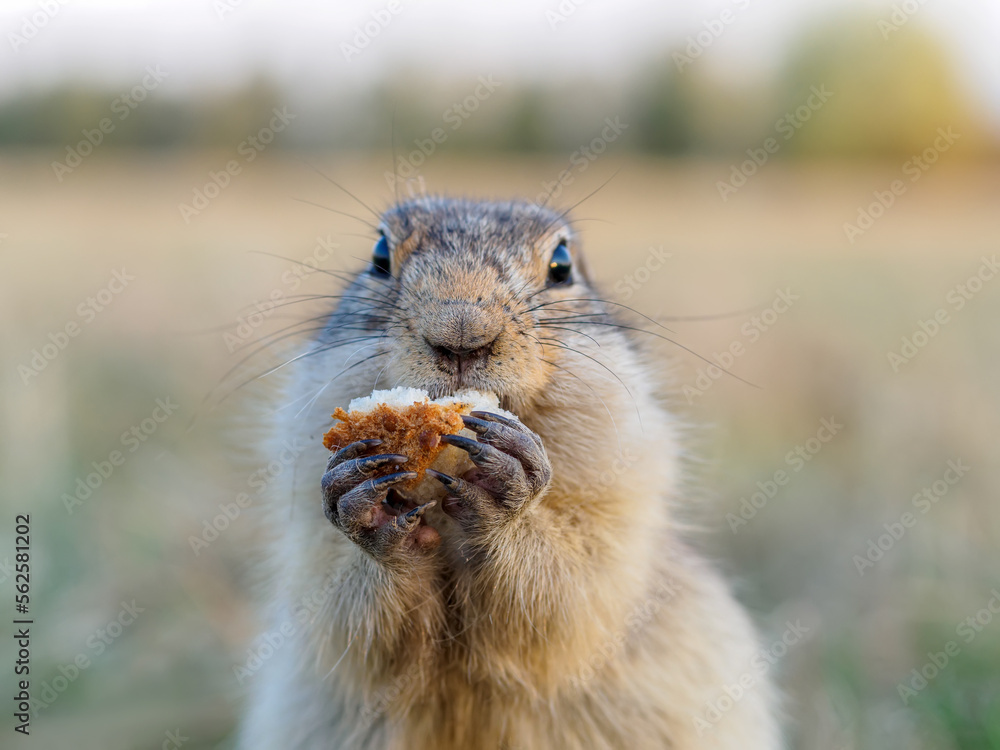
549, 600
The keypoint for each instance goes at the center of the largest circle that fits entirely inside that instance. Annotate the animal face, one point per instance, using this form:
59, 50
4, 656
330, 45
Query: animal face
469, 279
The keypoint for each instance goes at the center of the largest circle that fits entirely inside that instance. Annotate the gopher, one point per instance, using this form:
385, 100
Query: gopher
549, 600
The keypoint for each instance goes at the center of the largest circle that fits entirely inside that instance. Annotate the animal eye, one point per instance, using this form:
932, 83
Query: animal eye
561, 265
381, 265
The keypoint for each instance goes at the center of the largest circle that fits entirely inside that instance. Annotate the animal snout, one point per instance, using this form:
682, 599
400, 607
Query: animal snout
455, 354
461, 334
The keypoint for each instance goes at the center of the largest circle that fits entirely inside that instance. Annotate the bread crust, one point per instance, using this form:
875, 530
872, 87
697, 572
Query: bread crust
413, 431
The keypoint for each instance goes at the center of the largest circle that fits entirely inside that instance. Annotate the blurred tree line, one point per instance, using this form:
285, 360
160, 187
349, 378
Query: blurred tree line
890, 93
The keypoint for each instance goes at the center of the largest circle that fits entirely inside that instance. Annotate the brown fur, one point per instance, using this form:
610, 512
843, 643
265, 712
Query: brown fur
584, 621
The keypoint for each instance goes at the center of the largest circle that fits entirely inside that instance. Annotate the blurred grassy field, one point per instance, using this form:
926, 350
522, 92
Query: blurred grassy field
162, 337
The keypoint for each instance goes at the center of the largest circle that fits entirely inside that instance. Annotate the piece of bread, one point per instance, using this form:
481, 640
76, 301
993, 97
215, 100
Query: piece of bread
408, 422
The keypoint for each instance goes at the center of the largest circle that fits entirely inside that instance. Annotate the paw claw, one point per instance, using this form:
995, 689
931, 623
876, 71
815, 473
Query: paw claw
341, 478
462, 497
416, 513
512, 469
491, 417
479, 426
391, 479
472, 447
445, 479
353, 450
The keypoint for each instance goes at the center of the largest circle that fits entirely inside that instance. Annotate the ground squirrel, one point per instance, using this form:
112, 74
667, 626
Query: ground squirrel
551, 602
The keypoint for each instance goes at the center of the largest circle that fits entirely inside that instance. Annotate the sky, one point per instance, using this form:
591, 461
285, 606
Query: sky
206, 44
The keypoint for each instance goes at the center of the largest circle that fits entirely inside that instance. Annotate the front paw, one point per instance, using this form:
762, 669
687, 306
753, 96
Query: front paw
512, 470
358, 502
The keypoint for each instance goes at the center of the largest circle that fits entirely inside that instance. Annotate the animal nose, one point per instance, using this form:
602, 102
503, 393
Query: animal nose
461, 334
461, 354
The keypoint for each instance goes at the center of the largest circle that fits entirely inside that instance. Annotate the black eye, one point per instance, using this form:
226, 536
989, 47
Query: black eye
561, 265
381, 265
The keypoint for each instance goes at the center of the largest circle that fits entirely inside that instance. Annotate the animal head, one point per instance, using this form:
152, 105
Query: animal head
477, 295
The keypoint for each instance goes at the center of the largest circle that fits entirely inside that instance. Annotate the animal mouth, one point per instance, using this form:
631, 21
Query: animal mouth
463, 361
465, 380
458, 382
463, 367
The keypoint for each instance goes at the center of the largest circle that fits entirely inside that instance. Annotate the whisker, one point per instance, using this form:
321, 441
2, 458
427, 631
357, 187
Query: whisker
354, 326
330, 381
714, 316
513, 295
296, 358
347, 276
342, 275
597, 395
294, 401
572, 314
606, 302
334, 668
560, 345
316, 297
333, 210
572, 330
555, 183
587, 197
318, 350
305, 331
268, 344
675, 343
392, 144
210, 403
383, 369
671, 318
337, 185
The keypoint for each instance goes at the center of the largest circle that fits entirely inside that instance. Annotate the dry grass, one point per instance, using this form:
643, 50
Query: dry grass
824, 358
